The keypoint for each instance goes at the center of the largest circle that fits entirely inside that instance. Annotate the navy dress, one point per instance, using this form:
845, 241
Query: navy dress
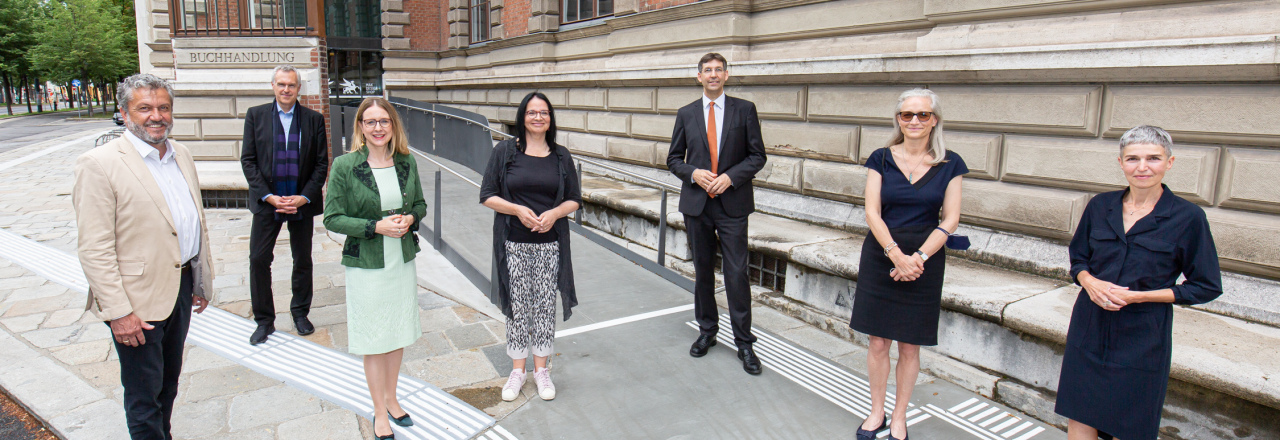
1115, 369
904, 311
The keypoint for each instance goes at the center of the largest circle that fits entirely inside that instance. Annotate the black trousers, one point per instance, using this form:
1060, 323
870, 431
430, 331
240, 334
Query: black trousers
707, 232
262, 245
149, 372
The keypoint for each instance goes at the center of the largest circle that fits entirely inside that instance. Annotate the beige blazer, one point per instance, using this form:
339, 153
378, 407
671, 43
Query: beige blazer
128, 245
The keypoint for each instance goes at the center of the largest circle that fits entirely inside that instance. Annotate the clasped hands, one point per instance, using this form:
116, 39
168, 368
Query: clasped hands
394, 226
536, 223
287, 204
715, 184
905, 267
1105, 294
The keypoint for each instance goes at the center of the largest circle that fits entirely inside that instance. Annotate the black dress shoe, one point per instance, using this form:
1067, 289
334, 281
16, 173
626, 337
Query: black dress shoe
871, 435
700, 346
303, 326
402, 420
391, 436
750, 363
260, 335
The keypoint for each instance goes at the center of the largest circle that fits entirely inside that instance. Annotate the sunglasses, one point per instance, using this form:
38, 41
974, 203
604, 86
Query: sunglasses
907, 116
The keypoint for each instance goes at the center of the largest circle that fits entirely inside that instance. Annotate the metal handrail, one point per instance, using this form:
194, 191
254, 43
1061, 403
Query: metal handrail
446, 168
484, 125
650, 180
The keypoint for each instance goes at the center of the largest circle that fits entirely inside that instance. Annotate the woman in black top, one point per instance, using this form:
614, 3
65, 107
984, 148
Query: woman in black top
1127, 253
532, 185
899, 292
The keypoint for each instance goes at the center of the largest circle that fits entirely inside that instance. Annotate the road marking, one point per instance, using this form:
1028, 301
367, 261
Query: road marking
329, 374
623, 320
20, 160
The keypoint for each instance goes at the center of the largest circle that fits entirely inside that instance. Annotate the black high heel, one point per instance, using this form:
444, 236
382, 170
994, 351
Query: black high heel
871, 435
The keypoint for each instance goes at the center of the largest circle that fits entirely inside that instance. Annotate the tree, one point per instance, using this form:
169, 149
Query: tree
17, 36
83, 39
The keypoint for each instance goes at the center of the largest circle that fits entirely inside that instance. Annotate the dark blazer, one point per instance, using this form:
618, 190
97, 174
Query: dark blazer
495, 184
257, 154
741, 155
1115, 369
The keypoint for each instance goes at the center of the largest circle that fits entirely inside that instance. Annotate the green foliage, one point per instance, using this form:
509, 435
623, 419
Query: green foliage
84, 39
18, 21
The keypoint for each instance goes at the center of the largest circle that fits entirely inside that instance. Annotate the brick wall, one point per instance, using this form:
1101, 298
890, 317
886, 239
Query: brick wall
320, 101
652, 5
515, 18
427, 29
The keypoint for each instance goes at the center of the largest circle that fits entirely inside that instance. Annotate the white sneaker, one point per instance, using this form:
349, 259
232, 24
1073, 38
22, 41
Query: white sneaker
514, 383
546, 389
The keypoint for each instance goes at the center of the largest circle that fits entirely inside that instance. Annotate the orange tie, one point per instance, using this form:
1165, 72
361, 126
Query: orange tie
711, 140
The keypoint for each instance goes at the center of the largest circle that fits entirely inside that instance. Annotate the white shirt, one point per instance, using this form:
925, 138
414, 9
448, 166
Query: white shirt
177, 194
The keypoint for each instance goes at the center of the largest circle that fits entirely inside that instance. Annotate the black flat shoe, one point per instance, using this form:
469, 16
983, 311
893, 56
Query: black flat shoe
303, 325
402, 420
871, 435
700, 346
391, 436
261, 333
750, 363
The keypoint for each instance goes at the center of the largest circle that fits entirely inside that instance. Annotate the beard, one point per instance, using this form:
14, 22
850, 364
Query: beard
141, 131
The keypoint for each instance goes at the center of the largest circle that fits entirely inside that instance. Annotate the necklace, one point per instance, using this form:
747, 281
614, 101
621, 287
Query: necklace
912, 173
1136, 208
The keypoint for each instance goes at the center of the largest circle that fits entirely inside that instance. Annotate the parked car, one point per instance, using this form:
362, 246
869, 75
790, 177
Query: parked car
115, 117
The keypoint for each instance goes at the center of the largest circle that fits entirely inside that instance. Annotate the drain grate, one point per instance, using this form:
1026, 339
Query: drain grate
225, 198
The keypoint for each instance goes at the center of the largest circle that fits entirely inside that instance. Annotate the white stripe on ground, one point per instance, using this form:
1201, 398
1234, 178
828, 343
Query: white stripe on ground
323, 372
623, 320
20, 160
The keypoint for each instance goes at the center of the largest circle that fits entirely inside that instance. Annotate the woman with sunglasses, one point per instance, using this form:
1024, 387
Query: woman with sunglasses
1127, 254
375, 199
899, 293
531, 184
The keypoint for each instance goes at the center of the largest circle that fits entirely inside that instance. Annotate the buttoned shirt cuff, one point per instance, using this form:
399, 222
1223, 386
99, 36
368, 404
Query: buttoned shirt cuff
264, 198
305, 198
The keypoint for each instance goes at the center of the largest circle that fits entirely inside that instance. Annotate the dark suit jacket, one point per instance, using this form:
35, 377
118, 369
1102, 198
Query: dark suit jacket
741, 155
257, 154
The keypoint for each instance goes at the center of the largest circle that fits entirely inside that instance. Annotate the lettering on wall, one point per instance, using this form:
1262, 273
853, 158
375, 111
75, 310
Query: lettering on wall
249, 57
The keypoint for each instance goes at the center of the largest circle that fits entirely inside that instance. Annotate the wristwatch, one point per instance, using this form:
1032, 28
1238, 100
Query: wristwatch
923, 256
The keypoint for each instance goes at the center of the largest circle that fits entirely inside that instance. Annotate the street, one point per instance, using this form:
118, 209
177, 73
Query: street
22, 131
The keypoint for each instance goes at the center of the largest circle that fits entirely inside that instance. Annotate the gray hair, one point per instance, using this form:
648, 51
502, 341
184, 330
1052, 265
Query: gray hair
1147, 134
147, 81
287, 68
936, 146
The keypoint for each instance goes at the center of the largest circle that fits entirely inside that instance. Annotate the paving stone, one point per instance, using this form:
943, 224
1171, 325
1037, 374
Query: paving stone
470, 336
468, 315
232, 294
329, 315
20, 308
36, 292
102, 375
23, 323
223, 382
94, 331
64, 317
270, 406
332, 425
328, 297
499, 330
243, 309
223, 281
100, 420
429, 345
452, 370
41, 384
338, 333
83, 353
24, 282
198, 359
431, 300
54, 337
201, 419
438, 319
321, 337
259, 433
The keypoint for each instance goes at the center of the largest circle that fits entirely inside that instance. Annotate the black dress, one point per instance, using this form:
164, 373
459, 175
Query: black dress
904, 311
1115, 370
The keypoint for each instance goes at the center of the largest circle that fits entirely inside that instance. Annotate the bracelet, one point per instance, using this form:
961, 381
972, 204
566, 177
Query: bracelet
944, 231
892, 244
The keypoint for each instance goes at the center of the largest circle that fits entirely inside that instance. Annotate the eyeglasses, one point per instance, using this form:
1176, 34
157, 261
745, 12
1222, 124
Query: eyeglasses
907, 116
534, 114
708, 71
372, 123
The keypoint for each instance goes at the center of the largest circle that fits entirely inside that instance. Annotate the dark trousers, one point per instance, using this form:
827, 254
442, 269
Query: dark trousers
707, 232
262, 245
149, 372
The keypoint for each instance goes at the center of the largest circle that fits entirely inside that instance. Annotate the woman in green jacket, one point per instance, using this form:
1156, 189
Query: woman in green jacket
375, 199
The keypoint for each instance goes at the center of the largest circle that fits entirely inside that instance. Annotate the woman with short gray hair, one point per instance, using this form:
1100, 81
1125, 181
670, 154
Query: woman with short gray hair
1127, 254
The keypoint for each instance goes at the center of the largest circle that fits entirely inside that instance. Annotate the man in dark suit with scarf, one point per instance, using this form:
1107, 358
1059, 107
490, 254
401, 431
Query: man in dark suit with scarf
286, 160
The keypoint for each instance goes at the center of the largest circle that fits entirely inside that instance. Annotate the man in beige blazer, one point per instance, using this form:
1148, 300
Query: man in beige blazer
144, 247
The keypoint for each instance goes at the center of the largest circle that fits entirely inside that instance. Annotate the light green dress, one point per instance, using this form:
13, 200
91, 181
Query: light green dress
382, 304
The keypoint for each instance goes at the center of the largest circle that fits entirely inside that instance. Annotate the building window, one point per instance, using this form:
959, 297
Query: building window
579, 10
354, 74
480, 20
353, 18
240, 17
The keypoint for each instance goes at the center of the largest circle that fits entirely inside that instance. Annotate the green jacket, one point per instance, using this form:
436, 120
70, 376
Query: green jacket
353, 206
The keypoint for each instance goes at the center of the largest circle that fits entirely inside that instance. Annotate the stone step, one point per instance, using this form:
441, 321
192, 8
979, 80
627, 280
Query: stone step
1220, 353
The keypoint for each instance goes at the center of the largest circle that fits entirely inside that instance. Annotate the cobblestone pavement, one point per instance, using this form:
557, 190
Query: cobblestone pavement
218, 398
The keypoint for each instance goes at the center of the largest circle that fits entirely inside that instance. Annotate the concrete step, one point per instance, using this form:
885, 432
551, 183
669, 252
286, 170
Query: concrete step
988, 311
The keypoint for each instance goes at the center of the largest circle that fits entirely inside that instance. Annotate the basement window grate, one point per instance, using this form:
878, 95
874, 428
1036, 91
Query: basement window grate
225, 198
767, 271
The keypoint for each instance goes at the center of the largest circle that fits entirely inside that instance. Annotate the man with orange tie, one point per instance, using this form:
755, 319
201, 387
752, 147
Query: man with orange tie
716, 149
